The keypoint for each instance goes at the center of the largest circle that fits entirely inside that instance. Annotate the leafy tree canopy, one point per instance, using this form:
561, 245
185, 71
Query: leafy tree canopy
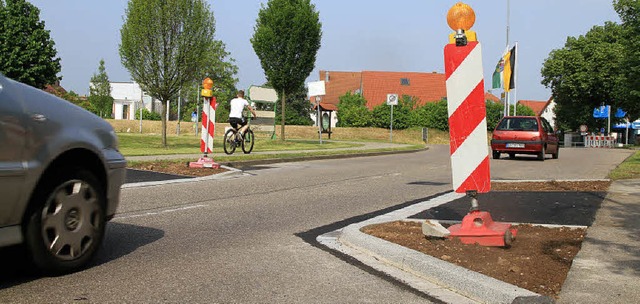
100, 92
353, 112
286, 39
586, 73
629, 12
164, 44
28, 53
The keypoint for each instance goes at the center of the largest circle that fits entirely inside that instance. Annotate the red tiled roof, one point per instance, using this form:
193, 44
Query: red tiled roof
491, 97
326, 106
535, 105
427, 87
55, 89
339, 84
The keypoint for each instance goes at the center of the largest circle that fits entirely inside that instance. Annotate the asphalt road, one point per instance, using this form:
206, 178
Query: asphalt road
234, 240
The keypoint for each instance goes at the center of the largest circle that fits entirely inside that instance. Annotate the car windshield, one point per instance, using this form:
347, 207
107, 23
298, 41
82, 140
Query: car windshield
518, 124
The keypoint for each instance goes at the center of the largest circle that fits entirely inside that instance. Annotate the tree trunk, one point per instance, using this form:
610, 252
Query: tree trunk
282, 112
164, 123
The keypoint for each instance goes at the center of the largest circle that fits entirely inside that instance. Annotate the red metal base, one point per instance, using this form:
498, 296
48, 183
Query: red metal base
204, 162
478, 227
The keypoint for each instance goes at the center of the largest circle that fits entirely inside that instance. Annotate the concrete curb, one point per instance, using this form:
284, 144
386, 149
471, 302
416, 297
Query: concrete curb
472, 285
247, 163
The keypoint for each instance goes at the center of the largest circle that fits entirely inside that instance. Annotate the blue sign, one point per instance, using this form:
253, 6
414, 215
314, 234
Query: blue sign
622, 125
636, 125
601, 112
620, 113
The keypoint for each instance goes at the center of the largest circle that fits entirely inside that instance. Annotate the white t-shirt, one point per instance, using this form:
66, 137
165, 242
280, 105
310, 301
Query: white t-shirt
237, 105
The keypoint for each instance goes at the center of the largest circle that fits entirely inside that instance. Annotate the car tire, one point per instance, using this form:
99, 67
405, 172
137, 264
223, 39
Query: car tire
66, 222
555, 155
512, 155
542, 153
496, 154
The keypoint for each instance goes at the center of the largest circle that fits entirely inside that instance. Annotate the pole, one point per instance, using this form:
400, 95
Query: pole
197, 118
319, 123
515, 80
178, 126
168, 102
206, 128
391, 126
141, 106
506, 112
627, 137
197, 110
608, 120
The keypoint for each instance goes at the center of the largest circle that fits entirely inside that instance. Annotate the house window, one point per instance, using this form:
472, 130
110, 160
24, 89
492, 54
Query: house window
404, 81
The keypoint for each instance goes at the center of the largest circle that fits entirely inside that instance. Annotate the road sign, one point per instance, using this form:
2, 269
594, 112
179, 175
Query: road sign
583, 128
392, 99
635, 125
316, 88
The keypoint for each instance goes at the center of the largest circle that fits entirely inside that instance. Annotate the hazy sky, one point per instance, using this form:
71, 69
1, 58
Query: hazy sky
358, 35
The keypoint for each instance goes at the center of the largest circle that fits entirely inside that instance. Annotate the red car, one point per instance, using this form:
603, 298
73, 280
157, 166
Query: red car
524, 135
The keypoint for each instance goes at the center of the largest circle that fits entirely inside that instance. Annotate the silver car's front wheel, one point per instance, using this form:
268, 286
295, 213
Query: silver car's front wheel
64, 232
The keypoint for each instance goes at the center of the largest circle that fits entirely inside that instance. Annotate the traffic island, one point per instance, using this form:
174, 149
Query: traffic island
394, 243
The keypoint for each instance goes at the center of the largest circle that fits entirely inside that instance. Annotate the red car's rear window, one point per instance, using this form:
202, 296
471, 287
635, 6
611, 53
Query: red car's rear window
518, 124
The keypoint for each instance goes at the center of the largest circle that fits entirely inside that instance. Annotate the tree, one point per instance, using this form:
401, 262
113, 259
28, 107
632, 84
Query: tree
28, 53
286, 39
585, 74
164, 43
629, 95
353, 112
100, 92
298, 108
221, 68
401, 113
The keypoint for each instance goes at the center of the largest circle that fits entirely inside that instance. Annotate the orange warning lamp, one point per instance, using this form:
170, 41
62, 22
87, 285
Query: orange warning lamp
461, 18
207, 90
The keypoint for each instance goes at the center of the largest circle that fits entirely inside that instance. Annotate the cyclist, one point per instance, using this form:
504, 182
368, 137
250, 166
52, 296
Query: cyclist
235, 114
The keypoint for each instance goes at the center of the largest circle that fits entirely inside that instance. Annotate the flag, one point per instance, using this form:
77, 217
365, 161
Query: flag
497, 75
509, 69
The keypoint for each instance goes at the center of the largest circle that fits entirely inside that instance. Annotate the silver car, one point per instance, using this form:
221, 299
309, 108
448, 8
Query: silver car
60, 177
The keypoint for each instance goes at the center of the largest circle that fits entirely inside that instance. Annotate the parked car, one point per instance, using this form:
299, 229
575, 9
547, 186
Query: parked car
60, 177
524, 135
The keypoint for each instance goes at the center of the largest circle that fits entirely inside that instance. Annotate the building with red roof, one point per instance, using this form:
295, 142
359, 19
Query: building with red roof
542, 108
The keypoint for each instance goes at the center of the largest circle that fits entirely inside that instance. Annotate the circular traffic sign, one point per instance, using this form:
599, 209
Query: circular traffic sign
583, 128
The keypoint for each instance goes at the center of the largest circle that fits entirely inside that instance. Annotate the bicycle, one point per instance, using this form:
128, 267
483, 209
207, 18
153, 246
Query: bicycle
233, 139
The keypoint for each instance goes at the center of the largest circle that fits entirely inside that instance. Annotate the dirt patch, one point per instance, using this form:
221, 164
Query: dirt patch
173, 167
595, 186
538, 260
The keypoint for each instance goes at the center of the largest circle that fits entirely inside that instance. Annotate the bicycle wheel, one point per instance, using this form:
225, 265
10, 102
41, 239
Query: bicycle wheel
229, 141
247, 143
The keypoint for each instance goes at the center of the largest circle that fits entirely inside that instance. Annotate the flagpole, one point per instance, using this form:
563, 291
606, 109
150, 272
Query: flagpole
506, 102
515, 80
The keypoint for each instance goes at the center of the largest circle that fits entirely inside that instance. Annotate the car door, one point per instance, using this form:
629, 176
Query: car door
552, 137
13, 132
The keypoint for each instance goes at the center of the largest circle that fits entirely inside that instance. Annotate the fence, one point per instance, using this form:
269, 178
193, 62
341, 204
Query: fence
596, 141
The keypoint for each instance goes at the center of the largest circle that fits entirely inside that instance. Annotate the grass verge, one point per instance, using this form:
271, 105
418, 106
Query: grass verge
132, 144
629, 169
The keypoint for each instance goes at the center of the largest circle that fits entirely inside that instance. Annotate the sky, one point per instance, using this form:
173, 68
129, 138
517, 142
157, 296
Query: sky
357, 35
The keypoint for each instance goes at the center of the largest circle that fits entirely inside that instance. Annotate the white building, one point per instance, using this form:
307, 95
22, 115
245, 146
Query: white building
128, 98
